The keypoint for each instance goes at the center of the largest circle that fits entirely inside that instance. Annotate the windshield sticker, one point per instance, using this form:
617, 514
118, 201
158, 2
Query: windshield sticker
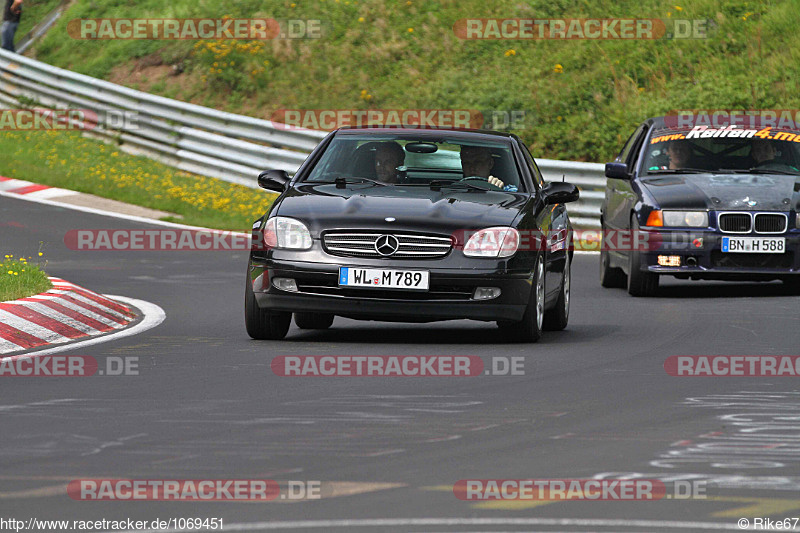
704, 132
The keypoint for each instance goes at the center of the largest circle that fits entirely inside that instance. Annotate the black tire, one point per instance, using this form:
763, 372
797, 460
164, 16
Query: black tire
262, 324
529, 329
610, 277
313, 320
639, 283
557, 318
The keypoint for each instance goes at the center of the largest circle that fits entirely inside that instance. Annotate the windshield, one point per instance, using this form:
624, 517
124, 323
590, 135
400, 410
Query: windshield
730, 149
403, 159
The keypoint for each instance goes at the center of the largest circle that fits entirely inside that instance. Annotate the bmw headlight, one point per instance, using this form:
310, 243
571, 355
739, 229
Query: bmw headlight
286, 233
686, 219
494, 242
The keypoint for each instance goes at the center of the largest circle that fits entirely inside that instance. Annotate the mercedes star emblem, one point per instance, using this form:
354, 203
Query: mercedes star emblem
386, 245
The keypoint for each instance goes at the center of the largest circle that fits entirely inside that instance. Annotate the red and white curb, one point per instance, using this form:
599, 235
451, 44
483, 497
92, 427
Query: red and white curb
61, 315
32, 190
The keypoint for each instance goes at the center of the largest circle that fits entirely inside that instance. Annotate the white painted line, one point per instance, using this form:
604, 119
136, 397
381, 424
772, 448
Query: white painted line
153, 316
60, 299
59, 317
30, 328
417, 522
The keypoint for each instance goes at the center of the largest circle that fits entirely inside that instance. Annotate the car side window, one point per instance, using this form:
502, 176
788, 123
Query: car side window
628, 151
537, 175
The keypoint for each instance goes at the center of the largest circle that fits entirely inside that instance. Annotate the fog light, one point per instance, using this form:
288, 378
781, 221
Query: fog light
285, 284
486, 293
669, 260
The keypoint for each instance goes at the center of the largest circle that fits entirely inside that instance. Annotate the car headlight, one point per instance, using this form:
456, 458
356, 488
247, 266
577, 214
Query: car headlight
493, 242
287, 233
686, 219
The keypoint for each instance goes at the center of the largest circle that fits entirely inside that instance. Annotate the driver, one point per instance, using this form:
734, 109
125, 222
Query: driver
762, 151
388, 156
679, 153
477, 161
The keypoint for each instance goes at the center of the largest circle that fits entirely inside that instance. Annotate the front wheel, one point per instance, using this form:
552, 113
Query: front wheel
610, 277
262, 324
556, 319
529, 329
639, 283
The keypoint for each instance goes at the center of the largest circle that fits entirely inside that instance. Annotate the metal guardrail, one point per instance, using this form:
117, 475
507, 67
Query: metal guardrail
210, 142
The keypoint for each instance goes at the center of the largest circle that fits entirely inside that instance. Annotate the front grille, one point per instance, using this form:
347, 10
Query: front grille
770, 223
410, 246
728, 260
735, 222
436, 292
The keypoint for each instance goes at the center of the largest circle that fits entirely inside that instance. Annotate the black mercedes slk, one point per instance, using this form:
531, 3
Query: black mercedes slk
412, 225
704, 198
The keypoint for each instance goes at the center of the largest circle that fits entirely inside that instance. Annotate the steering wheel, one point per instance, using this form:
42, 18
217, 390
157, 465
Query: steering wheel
482, 180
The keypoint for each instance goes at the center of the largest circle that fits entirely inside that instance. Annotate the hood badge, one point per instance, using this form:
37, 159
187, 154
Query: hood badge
748, 201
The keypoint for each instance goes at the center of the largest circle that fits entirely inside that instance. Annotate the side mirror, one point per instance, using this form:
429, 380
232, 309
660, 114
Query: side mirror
560, 193
273, 180
618, 171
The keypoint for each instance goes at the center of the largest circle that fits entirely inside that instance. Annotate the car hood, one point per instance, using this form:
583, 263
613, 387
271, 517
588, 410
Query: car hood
324, 207
724, 191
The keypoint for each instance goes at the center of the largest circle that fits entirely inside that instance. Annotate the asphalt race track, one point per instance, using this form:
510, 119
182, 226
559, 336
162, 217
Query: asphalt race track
594, 401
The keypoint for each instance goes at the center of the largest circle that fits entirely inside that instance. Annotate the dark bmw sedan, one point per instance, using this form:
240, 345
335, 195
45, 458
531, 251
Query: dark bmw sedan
412, 225
704, 198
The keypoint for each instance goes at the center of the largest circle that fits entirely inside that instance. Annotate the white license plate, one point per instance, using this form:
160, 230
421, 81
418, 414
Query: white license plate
754, 245
379, 278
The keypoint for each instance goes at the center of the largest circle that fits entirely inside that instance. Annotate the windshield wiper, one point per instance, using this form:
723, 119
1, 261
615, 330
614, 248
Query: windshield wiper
436, 185
341, 182
678, 171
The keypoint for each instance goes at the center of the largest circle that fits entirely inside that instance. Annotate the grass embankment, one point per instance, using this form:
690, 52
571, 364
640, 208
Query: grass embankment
582, 97
20, 279
70, 161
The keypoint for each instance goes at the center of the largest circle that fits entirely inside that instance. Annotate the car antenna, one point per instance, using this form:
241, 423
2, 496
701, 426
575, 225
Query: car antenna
563, 177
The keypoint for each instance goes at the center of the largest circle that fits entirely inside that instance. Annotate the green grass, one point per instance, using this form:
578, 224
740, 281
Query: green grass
369, 59
33, 11
66, 159
20, 279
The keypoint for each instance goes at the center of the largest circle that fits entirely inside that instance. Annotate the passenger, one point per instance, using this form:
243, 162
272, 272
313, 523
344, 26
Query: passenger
388, 156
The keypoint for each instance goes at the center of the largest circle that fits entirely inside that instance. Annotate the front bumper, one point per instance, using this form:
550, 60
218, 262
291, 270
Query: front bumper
701, 256
449, 297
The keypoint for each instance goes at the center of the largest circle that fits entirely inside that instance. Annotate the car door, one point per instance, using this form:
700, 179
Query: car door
555, 223
620, 196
